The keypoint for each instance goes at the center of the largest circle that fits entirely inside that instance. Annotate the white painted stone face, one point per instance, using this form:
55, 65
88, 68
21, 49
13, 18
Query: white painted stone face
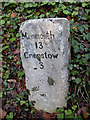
45, 52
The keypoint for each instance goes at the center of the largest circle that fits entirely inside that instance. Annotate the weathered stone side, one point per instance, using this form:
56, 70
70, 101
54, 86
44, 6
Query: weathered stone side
45, 53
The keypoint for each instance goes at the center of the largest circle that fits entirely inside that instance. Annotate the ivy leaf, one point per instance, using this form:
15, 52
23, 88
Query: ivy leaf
32, 111
82, 47
34, 5
74, 72
31, 5
75, 13
11, 30
68, 112
20, 73
76, 48
10, 116
26, 5
63, 7
87, 56
43, 3
19, 96
59, 109
2, 22
60, 115
51, 3
26, 109
56, 10
5, 47
74, 107
17, 35
78, 80
86, 27
84, 4
66, 12
22, 102
78, 56
70, 66
12, 39
6, 76
1, 94
6, 4
82, 29
42, 15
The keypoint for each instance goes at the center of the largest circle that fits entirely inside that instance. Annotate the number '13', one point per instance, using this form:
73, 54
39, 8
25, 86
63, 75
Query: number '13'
40, 45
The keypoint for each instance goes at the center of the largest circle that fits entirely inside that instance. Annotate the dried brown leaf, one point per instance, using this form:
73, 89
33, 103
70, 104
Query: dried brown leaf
11, 80
85, 114
2, 113
83, 110
11, 83
13, 15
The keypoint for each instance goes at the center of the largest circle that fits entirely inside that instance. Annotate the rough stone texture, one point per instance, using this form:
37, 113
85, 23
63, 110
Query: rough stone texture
45, 53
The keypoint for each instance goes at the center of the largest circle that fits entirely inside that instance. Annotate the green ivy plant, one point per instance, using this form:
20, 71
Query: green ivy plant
13, 14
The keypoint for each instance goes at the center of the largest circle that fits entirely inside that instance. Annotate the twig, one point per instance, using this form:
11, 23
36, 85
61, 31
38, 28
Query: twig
86, 92
83, 96
82, 71
79, 40
78, 90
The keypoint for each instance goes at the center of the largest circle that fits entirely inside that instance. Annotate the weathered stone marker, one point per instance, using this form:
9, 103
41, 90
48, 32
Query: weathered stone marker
45, 53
